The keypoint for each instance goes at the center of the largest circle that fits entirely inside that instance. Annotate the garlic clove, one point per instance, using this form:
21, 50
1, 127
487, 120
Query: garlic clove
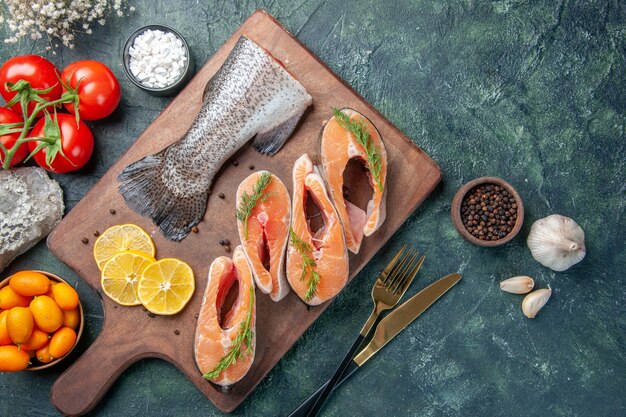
517, 285
534, 301
557, 242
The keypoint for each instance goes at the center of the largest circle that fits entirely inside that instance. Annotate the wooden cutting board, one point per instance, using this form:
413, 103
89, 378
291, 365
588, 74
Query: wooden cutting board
129, 333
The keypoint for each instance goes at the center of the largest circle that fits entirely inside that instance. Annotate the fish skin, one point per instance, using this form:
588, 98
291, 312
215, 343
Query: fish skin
251, 94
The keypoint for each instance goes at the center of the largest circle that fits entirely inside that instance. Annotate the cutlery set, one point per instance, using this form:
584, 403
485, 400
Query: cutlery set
387, 291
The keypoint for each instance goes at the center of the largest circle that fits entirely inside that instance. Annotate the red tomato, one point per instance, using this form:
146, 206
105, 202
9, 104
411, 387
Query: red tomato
9, 116
76, 142
35, 69
99, 91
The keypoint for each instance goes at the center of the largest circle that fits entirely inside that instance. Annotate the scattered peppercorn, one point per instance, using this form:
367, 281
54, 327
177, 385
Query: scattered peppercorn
96, 233
176, 332
251, 167
227, 242
112, 211
227, 249
85, 240
222, 242
489, 212
221, 195
235, 163
194, 229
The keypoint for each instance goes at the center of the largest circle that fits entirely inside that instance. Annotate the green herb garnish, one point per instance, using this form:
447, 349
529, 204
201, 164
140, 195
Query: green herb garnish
308, 266
244, 338
359, 129
248, 201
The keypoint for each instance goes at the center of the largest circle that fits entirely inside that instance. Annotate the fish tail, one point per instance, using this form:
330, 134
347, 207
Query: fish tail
142, 187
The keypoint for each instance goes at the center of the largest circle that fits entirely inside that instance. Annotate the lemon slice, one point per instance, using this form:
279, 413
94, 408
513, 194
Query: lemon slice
166, 286
121, 238
121, 274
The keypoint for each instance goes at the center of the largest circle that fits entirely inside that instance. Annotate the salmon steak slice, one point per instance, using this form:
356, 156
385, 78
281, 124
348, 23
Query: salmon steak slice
264, 214
317, 257
225, 337
349, 135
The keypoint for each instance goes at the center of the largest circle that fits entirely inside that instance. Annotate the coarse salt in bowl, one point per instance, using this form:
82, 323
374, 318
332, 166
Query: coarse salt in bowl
157, 59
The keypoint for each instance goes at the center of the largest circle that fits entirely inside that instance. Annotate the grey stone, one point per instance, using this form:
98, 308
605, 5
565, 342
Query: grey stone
31, 205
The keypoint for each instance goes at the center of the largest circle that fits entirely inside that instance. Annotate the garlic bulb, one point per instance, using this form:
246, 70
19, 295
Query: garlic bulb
557, 242
517, 285
534, 301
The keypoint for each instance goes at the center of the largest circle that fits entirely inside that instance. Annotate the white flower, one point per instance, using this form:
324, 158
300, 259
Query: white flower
56, 19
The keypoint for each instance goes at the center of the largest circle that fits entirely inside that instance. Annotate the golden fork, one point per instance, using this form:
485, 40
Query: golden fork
388, 289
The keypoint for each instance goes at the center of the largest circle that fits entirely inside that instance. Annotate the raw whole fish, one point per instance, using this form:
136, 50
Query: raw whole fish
339, 146
215, 341
265, 233
252, 94
317, 261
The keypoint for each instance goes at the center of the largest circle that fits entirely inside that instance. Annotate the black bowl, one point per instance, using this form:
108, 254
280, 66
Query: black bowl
170, 90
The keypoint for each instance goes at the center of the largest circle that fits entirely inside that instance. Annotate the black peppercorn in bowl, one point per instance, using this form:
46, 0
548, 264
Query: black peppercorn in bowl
487, 211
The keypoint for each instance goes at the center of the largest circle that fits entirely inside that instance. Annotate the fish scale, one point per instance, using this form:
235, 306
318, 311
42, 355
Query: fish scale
252, 94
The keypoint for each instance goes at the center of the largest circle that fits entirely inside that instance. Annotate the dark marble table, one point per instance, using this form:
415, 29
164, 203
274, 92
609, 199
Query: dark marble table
530, 91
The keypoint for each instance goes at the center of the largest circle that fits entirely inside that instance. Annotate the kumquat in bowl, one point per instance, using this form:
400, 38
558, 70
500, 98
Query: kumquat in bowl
41, 321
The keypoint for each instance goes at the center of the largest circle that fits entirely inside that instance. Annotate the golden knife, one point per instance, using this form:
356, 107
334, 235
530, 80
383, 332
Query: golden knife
387, 329
402, 316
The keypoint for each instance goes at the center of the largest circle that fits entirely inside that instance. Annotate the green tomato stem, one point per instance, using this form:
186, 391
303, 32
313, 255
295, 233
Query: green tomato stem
67, 97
